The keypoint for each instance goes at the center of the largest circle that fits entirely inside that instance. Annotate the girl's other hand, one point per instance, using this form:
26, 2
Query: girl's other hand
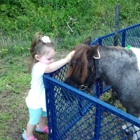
69, 56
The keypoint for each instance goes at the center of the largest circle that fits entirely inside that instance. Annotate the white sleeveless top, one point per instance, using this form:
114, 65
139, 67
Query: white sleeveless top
36, 95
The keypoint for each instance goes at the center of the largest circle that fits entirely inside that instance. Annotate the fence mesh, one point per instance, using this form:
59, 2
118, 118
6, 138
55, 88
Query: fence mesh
127, 36
82, 116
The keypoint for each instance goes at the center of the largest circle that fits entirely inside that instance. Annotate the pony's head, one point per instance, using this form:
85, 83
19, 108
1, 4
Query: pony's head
81, 72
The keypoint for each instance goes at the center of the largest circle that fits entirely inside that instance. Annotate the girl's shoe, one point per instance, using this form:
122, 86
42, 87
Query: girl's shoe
25, 137
39, 130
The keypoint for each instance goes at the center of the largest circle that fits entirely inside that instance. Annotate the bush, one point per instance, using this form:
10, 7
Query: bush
65, 21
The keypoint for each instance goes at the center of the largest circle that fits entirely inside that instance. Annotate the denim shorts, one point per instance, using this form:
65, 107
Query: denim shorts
35, 115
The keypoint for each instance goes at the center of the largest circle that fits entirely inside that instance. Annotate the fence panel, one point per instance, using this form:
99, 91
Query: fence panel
127, 36
83, 117
75, 115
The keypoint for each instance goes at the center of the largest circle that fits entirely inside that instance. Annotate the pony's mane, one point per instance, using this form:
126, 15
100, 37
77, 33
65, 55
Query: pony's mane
79, 63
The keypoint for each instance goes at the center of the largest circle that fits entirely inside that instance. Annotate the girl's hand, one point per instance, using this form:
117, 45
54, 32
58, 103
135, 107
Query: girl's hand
58, 64
69, 56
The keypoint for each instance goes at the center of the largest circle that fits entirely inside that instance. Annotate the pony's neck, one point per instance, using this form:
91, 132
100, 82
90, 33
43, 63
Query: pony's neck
114, 62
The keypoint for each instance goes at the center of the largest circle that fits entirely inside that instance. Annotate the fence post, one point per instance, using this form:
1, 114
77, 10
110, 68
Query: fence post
97, 122
116, 25
51, 110
100, 41
98, 111
123, 38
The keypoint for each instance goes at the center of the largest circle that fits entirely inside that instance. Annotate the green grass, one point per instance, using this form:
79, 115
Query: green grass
14, 86
14, 76
14, 82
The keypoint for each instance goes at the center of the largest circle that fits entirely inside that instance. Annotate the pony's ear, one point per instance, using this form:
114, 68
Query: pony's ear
95, 51
88, 41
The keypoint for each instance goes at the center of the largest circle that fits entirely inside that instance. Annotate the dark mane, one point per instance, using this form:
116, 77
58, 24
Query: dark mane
79, 62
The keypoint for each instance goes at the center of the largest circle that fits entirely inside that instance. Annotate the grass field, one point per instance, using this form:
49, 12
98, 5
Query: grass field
14, 86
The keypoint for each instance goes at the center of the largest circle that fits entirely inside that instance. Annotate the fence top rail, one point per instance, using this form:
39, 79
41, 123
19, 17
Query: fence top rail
104, 105
112, 34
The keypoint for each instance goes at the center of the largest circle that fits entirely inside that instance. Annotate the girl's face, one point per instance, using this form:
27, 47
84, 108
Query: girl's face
48, 57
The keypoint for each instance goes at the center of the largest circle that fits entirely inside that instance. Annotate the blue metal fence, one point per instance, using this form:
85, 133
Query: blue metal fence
127, 36
75, 115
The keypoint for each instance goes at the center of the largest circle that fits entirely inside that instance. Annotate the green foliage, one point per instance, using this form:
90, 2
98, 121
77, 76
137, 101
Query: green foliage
64, 21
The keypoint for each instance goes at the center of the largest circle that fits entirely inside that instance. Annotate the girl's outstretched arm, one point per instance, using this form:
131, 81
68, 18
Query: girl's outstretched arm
58, 64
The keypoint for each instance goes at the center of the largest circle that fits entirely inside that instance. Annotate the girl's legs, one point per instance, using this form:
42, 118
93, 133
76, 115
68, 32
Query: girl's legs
42, 123
29, 130
34, 115
42, 127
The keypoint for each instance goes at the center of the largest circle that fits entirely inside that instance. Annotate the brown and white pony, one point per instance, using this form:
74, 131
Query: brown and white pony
117, 66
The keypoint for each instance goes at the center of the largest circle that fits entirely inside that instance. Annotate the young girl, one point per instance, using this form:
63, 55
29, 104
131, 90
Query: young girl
42, 52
